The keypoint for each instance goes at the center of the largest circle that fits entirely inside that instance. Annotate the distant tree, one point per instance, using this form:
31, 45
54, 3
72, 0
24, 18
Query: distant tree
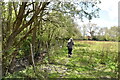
91, 29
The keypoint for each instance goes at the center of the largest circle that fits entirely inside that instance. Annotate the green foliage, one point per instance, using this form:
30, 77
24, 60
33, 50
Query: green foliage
25, 48
90, 59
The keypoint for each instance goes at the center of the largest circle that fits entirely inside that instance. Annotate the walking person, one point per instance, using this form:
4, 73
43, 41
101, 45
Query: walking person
70, 46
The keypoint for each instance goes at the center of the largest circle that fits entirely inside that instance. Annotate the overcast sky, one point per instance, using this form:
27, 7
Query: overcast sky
108, 14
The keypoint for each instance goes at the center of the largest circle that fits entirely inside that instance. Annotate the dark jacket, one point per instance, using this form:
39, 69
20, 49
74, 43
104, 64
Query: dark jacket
70, 44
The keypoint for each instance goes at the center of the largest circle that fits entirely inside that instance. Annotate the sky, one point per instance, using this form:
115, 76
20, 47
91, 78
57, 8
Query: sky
108, 14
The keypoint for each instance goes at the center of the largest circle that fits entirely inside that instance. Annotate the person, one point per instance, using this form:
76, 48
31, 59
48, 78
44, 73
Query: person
70, 46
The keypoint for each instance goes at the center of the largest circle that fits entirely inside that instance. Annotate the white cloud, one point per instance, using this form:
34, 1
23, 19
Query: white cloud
104, 23
99, 22
111, 6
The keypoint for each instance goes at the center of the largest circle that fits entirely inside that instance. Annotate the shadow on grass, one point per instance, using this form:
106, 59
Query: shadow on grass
88, 70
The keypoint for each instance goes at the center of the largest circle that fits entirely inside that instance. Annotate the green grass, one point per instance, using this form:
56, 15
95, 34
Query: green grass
90, 59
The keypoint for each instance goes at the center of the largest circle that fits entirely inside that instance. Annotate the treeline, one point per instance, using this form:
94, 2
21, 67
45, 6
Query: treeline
91, 31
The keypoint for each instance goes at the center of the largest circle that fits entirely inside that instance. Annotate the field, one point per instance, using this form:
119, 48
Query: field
90, 59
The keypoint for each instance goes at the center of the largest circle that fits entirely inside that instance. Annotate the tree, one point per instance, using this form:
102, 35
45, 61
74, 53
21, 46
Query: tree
109, 33
18, 25
25, 22
91, 29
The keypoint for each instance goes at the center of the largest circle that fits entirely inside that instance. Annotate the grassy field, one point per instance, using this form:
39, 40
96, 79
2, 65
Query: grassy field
90, 59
